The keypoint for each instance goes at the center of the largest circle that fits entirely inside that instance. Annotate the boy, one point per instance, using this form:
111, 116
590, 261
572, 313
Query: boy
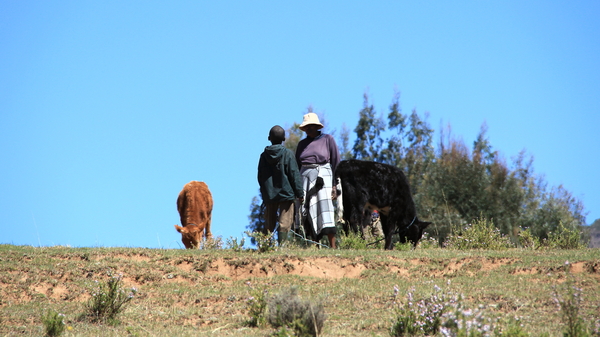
280, 184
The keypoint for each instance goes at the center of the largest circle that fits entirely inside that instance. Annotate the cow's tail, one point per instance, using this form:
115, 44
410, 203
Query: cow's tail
340, 201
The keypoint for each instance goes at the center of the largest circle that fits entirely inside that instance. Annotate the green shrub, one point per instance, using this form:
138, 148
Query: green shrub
421, 316
287, 310
428, 242
264, 242
108, 299
565, 238
528, 240
212, 243
481, 234
403, 247
352, 240
569, 298
514, 328
257, 308
54, 324
443, 313
233, 244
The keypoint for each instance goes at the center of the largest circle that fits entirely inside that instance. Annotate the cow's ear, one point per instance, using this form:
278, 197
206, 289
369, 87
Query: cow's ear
424, 224
179, 229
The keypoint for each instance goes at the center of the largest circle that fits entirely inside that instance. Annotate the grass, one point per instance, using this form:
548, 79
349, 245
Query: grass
203, 293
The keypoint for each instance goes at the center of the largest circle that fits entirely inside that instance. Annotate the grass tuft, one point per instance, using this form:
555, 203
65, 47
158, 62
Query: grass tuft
108, 300
54, 324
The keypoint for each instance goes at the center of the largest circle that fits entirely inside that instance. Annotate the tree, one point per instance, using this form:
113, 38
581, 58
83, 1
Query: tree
256, 218
453, 184
368, 143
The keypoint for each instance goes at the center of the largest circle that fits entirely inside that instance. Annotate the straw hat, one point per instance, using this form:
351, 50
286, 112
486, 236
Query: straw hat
310, 118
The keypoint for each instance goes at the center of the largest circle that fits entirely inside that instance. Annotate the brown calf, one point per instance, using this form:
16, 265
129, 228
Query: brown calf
194, 205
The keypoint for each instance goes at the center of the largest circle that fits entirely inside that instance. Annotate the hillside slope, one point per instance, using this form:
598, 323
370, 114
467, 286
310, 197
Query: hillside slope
183, 292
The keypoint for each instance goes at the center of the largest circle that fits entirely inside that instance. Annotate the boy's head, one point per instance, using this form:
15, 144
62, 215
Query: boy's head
277, 134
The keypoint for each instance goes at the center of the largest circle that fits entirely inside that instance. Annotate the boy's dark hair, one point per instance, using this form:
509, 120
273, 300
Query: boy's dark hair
277, 134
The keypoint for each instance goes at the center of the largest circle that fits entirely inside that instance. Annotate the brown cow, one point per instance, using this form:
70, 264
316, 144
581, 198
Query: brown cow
194, 205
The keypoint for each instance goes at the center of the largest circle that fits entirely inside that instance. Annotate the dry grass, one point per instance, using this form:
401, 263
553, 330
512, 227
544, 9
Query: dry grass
191, 293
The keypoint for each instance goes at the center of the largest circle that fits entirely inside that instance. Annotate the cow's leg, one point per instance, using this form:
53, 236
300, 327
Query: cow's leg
207, 233
387, 226
352, 214
365, 224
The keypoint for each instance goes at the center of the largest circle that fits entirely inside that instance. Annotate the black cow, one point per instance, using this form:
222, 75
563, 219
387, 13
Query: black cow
368, 186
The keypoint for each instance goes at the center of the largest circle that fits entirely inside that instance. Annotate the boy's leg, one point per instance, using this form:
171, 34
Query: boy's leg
270, 217
286, 218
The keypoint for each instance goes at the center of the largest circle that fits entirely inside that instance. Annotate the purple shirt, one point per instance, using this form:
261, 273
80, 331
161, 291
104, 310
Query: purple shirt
319, 150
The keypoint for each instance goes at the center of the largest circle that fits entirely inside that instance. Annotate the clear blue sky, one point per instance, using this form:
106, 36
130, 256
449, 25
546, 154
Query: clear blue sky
107, 108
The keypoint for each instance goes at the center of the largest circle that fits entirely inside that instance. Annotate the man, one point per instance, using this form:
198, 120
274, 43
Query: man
280, 184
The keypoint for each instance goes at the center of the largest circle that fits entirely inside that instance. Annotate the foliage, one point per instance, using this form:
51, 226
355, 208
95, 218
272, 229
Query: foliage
468, 322
108, 299
368, 143
212, 243
481, 234
565, 238
257, 307
454, 184
421, 316
428, 242
193, 292
440, 313
287, 309
527, 240
233, 244
569, 299
54, 324
264, 242
351, 240
403, 247
256, 218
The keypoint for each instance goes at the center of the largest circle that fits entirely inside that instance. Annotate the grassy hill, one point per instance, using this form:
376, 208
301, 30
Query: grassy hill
198, 293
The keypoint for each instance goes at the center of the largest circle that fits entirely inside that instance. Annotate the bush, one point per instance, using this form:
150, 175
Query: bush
54, 324
428, 242
352, 240
481, 234
565, 238
257, 307
528, 240
444, 313
233, 244
108, 299
569, 299
264, 242
212, 243
287, 310
422, 316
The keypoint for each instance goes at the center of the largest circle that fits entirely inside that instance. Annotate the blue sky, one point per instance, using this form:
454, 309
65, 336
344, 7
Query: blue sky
107, 108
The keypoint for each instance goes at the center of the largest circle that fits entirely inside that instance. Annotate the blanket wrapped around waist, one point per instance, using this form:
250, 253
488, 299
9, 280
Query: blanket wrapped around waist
318, 215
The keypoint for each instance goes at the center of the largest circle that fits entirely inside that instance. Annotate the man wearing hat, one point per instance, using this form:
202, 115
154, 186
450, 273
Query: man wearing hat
318, 156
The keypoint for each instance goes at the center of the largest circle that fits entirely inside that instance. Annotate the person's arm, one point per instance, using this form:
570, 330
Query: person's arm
334, 154
295, 179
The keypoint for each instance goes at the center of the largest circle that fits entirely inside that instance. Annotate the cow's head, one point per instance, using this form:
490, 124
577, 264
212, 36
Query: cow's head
190, 236
414, 232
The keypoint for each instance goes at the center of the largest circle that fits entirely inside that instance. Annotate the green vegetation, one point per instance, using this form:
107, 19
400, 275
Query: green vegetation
54, 324
521, 292
108, 299
454, 184
286, 310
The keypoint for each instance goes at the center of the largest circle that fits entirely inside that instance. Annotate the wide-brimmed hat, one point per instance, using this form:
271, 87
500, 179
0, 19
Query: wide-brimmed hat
310, 118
